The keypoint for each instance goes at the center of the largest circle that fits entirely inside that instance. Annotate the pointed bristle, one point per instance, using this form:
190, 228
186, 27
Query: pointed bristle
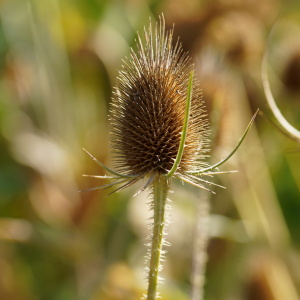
148, 107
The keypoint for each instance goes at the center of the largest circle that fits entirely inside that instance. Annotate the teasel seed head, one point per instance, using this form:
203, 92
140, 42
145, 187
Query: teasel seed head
148, 109
159, 129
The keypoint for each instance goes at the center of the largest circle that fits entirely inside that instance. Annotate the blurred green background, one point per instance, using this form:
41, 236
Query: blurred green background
58, 63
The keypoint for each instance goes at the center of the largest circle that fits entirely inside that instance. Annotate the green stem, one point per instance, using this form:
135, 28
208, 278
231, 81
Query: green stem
160, 192
221, 162
184, 128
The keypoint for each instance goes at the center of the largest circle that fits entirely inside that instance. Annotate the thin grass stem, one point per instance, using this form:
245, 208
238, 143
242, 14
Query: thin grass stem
283, 124
200, 248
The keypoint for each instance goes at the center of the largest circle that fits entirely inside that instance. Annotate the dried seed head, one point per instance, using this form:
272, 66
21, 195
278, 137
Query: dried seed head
148, 107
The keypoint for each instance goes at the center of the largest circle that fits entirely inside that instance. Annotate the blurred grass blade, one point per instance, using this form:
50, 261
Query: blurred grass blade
287, 128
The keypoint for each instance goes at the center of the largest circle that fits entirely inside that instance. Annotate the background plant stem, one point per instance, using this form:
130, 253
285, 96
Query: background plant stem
160, 192
200, 248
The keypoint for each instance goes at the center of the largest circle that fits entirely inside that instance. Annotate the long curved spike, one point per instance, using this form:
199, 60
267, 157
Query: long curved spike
100, 177
232, 152
211, 173
193, 183
105, 186
107, 168
184, 128
128, 183
152, 177
219, 173
195, 178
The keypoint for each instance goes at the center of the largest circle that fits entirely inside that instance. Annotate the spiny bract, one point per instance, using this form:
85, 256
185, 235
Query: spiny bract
148, 108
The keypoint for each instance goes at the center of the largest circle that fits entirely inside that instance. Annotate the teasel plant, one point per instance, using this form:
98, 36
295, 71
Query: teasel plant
159, 131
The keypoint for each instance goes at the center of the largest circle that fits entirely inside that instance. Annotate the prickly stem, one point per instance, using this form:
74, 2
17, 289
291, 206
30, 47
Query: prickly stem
160, 192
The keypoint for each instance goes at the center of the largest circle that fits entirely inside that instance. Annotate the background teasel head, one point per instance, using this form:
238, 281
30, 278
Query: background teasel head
148, 109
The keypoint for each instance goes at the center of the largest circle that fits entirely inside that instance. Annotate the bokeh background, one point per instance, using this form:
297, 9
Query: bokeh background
58, 63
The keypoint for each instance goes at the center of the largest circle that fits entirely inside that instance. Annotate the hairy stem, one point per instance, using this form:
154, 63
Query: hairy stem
160, 192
